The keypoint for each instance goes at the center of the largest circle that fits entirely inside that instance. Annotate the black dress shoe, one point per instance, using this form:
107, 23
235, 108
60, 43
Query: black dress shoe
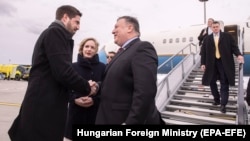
216, 103
223, 108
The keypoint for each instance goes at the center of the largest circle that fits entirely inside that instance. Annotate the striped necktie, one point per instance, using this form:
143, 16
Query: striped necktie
120, 50
216, 41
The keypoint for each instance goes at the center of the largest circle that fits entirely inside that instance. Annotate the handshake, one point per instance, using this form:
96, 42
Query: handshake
94, 87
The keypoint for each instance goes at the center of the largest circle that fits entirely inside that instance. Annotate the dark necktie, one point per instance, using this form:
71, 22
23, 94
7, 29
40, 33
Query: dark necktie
120, 50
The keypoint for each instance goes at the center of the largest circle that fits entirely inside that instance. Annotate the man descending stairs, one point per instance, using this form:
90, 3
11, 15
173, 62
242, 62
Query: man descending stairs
193, 104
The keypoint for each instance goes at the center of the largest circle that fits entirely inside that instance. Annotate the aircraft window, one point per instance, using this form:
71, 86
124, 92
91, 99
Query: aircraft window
164, 41
171, 40
191, 39
183, 39
177, 40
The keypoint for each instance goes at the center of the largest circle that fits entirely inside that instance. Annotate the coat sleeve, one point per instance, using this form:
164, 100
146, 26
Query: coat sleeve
203, 51
201, 36
234, 46
59, 53
144, 68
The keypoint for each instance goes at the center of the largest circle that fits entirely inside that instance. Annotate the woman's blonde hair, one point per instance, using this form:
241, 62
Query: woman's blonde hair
83, 42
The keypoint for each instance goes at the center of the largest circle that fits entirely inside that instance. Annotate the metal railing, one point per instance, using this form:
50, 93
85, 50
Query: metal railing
242, 115
242, 111
171, 81
190, 48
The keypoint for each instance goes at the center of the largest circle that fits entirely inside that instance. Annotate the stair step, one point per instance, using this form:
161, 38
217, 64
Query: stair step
198, 80
195, 119
201, 110
200, 103
176, 122
231, 99
201, 91
196, 87
201, 72
200, 76
199, 85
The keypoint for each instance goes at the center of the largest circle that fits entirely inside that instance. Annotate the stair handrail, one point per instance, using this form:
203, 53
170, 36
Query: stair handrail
242, 115
163, 85
242, 112
181, 52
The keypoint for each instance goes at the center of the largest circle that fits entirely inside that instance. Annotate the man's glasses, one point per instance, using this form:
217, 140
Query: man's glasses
110, 57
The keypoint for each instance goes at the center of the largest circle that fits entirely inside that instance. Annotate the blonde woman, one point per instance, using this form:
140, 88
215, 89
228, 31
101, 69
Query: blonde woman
83, 109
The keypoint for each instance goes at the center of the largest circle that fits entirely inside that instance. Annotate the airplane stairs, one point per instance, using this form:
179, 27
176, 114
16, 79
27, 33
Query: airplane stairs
182, 100
192, 104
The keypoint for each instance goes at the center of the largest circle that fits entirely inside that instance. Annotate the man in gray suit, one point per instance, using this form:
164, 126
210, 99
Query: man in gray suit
129, 86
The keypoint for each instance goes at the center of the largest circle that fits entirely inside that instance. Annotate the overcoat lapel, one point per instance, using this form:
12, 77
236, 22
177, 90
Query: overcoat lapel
120, 53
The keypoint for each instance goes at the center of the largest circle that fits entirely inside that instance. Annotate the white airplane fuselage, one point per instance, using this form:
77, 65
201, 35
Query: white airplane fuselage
168, 43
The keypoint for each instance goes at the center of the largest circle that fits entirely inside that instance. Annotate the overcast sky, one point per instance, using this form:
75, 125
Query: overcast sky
22, 21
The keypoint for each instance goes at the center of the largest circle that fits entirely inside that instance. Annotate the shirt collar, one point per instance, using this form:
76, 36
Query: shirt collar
218, 34
128, 41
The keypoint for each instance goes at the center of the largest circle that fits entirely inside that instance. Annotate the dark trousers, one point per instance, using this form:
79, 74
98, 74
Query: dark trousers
248, 93
219, 74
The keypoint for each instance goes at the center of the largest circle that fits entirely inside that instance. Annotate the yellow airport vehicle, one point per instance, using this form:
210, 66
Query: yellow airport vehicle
10, 71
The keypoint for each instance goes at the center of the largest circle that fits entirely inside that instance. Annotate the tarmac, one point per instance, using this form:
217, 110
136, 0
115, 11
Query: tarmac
11, 96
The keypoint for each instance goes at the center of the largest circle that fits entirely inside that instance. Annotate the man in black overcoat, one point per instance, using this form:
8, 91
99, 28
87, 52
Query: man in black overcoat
217, 61
43, 111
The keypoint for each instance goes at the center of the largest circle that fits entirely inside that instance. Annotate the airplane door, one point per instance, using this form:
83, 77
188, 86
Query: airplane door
234, 31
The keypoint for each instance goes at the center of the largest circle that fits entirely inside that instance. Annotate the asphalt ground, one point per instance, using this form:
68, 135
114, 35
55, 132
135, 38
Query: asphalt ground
11, 96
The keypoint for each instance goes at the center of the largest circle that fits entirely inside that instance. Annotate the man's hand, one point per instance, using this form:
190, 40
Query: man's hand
203, 67
94, 87
240, 59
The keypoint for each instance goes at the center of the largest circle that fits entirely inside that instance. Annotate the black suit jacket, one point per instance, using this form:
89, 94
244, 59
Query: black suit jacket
129, 87
201, 36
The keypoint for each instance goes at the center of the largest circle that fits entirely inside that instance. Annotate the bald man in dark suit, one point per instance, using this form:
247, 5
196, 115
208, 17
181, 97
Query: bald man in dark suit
129, 87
